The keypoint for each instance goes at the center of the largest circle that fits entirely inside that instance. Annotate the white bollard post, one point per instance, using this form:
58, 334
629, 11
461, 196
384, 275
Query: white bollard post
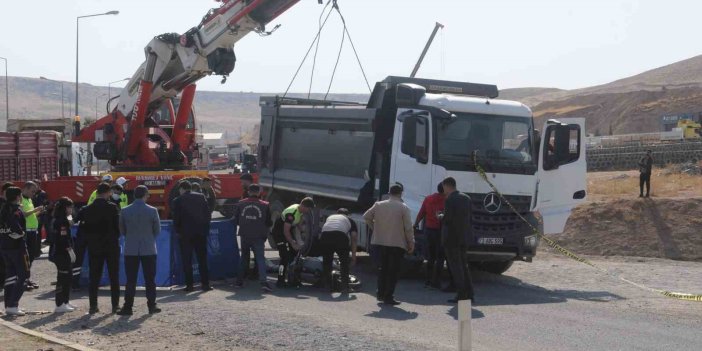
464, 328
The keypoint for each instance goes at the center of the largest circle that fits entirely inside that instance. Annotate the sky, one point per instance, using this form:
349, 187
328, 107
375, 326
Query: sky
511, 43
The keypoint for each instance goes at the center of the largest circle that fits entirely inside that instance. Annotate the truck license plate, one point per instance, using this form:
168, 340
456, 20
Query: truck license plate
490, 241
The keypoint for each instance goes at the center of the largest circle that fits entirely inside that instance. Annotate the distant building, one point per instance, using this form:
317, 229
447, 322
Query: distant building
669, 122
236, 151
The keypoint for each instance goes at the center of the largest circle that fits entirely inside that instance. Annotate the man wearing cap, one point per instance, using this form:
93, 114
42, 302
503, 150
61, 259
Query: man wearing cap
339, 235
393, 233
191, 220
140, 224
253, 216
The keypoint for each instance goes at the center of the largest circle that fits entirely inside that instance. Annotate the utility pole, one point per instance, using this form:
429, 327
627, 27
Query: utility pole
426, 48
7, 96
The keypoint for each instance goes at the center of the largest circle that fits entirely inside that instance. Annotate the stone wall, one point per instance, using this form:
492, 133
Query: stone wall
627, 157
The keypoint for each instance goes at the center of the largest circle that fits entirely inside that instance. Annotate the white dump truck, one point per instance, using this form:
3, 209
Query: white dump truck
417, 132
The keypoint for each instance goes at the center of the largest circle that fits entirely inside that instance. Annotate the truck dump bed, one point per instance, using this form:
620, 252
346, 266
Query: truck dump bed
322, 150
28, 155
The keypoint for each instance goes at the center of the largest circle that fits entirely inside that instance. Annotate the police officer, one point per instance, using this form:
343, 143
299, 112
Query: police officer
283, 235
5, 186
100, 229
191, 220
14, 250
61, 253
253, 216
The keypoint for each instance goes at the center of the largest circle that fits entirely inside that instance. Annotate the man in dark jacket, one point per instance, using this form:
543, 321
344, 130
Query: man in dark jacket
191, 220
645, 167
455, 229
253, 216
100, 227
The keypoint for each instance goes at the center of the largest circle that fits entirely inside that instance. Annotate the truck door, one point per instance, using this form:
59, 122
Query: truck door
562, 172
412, 157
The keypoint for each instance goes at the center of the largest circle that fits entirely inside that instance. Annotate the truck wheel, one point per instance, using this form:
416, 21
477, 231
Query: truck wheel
494, 267
277, 209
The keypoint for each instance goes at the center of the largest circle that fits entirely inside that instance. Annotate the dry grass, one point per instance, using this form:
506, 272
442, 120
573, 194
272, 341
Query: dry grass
608, 184
559, 110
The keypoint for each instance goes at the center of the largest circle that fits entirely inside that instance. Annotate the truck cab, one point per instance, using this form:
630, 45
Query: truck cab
417, 132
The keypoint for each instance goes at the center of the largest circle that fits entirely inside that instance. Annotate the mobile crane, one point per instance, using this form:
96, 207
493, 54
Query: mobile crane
149, 135
149, 129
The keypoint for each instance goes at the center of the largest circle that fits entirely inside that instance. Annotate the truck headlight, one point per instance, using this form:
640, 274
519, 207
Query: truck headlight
531, 241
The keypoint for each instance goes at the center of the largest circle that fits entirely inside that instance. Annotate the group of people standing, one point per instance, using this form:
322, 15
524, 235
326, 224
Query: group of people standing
446, 217
99, 226
447, 225
22, 216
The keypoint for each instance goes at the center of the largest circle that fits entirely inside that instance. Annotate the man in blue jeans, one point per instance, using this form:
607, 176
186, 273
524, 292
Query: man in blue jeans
253, 216
140, 224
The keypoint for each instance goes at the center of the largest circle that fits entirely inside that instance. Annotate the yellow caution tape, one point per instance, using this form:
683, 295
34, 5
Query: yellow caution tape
571, 255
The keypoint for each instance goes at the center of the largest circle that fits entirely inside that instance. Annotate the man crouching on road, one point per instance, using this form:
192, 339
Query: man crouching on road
140, 224
253, 216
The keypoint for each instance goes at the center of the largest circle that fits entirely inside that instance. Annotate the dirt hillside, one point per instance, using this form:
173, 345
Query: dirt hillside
615, 221
665, 228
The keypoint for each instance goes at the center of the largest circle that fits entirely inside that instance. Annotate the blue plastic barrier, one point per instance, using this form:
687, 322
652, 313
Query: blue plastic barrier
222, 250
222, 254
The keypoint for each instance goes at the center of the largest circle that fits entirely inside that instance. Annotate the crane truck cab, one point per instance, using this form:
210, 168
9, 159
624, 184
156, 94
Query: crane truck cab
417, 132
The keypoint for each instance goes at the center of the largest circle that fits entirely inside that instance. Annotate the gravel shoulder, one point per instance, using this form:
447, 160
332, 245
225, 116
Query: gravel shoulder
12, 340
552, 303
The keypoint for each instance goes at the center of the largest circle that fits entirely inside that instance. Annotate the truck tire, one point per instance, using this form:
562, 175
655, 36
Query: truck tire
494, 267
277, 208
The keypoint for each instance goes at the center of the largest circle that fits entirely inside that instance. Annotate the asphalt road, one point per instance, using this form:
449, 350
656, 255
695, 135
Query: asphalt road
551, 304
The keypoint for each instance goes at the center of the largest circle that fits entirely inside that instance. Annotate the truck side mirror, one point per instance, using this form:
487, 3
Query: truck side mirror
415, 137
421, 146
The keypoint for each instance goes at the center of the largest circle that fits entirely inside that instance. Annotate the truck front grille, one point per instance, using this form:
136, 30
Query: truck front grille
504, 222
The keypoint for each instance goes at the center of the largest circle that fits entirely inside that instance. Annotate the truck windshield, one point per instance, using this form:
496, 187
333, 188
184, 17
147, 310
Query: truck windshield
503, 144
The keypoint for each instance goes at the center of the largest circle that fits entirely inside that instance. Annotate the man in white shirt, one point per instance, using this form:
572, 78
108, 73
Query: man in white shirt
339, 235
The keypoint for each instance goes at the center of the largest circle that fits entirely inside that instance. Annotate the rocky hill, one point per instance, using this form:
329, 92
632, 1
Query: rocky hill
234, 112
629, 105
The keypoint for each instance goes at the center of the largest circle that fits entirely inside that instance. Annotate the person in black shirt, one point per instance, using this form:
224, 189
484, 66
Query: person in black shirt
61, 253
2, 262
191, 220
645, 167
456, 226
13, 248
101, 232
253, 216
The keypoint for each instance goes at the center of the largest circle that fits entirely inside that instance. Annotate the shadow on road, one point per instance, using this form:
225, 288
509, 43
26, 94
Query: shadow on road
393, 312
